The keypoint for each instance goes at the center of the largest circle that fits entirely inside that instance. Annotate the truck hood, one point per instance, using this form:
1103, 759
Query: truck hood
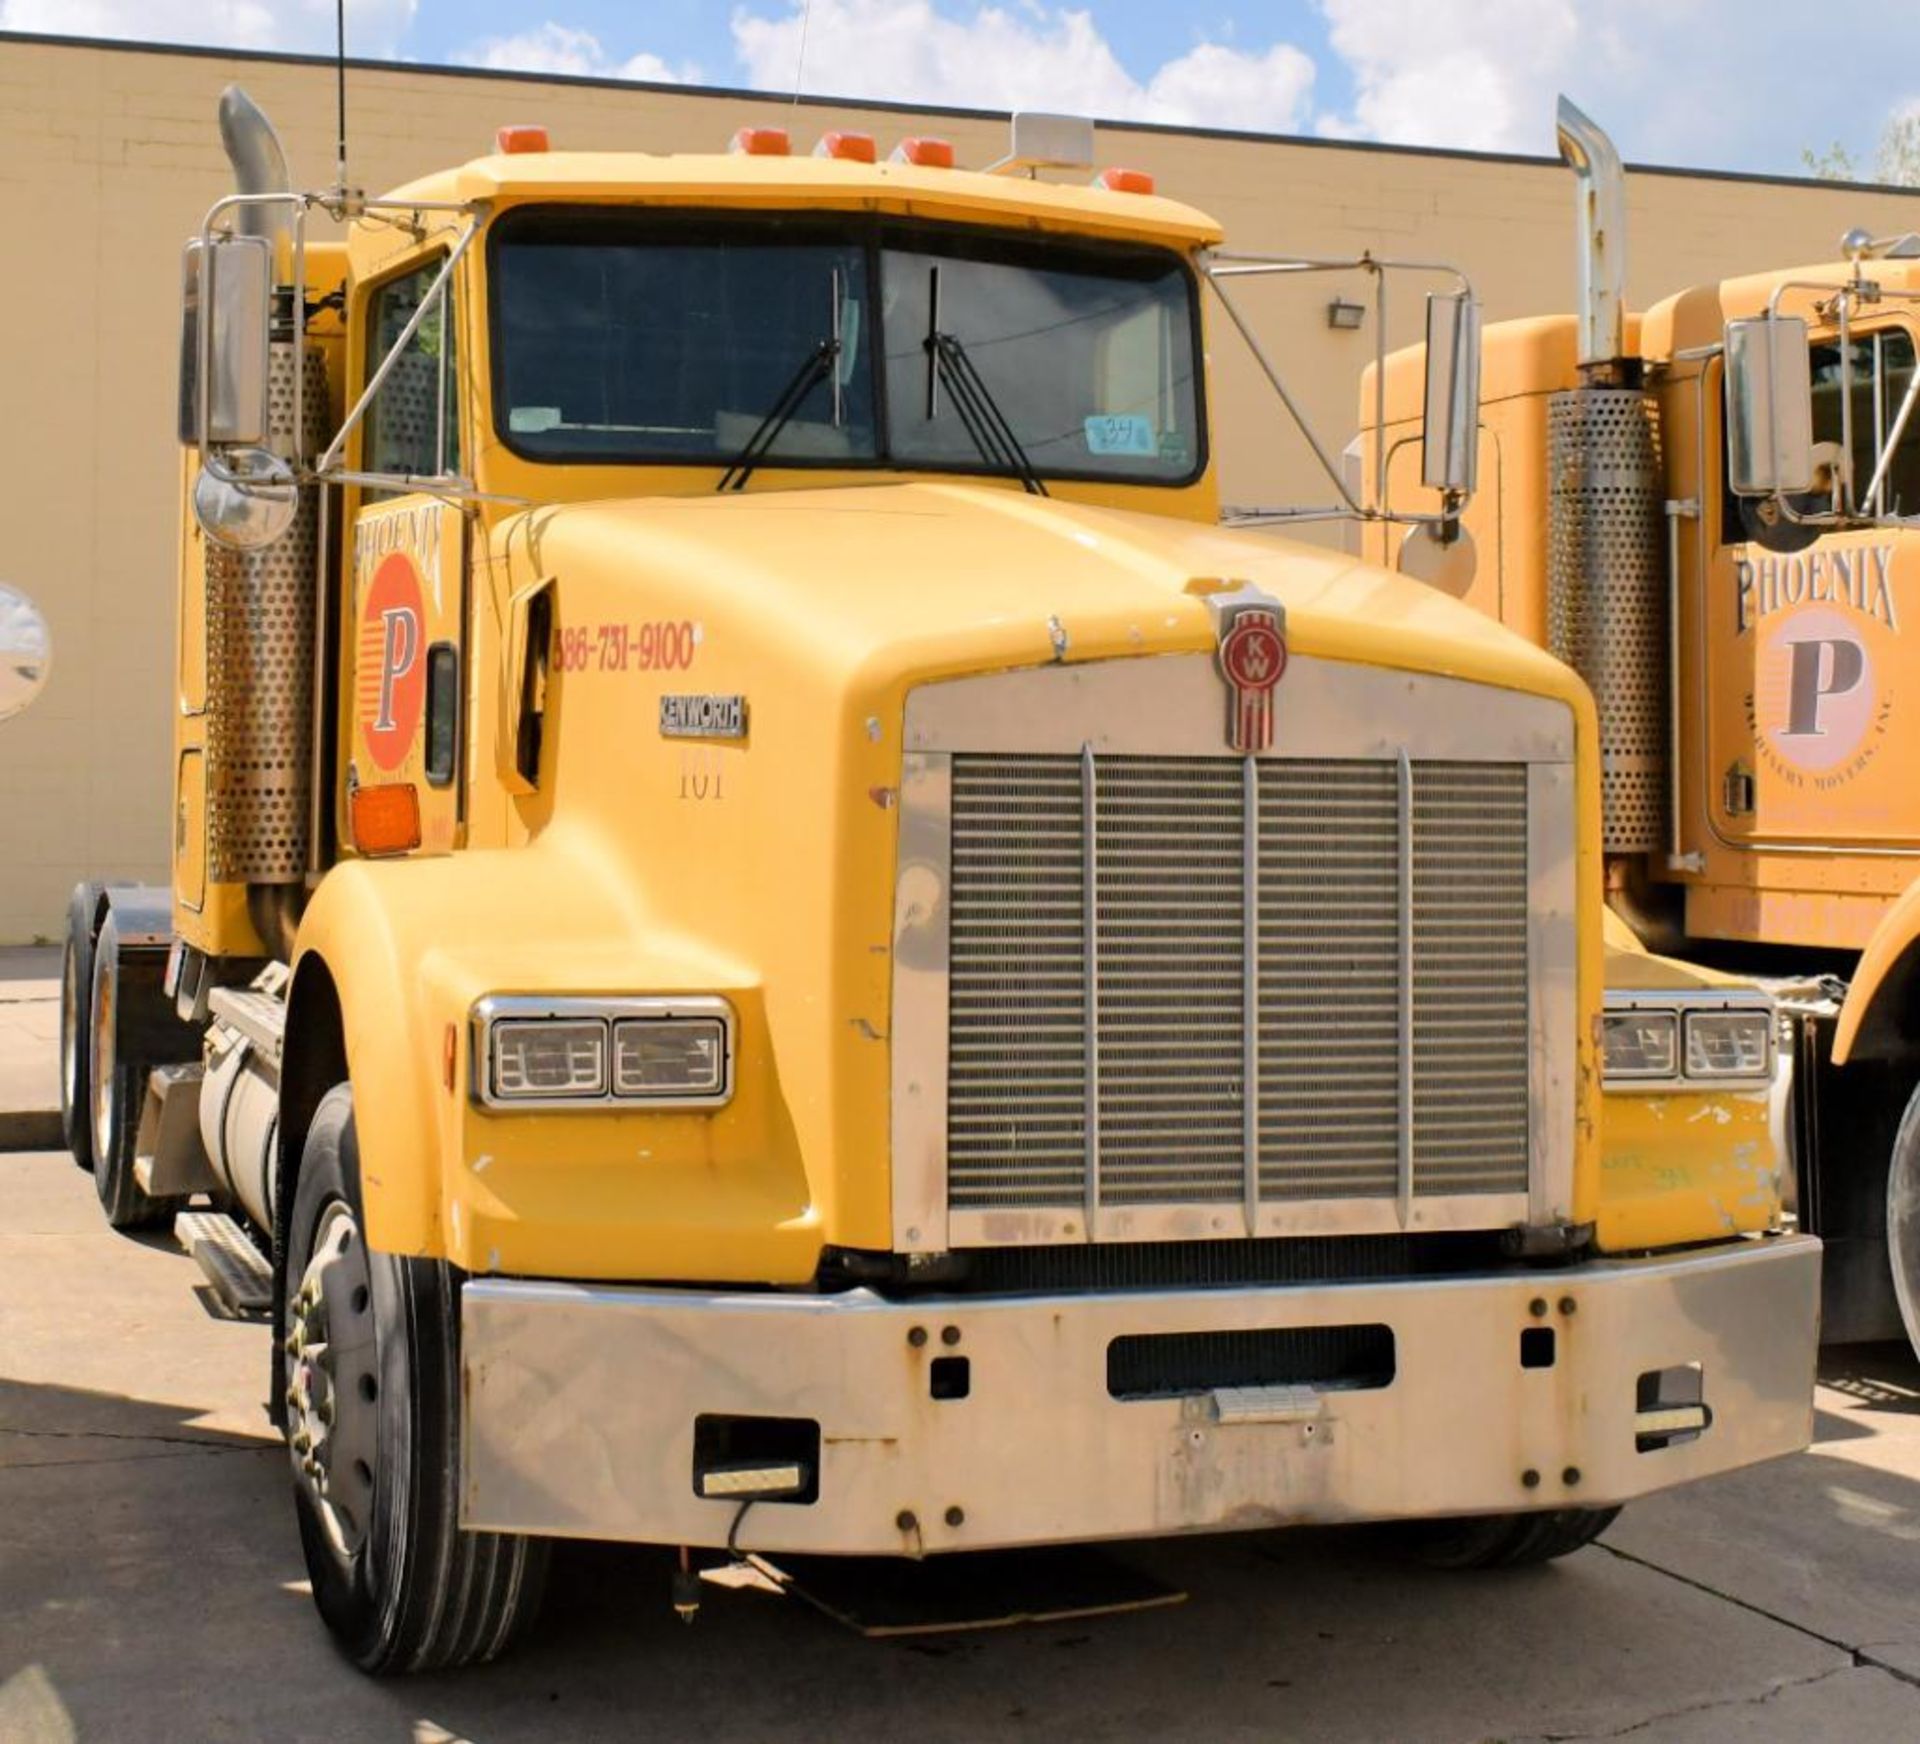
923, 580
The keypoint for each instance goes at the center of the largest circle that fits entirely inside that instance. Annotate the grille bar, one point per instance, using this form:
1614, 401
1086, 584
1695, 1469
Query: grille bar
1192, 981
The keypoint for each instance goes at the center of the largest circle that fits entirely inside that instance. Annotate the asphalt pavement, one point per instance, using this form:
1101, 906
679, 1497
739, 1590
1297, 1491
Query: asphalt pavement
151, 1586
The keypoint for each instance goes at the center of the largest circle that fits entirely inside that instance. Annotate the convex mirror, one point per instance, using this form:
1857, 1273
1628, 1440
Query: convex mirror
26, 651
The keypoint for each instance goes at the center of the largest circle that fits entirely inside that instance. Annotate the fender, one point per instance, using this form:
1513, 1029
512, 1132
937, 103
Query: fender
1881, 1017
411, 946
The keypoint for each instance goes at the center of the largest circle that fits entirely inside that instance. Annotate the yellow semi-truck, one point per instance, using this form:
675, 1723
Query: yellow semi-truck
1707, 507
779, 941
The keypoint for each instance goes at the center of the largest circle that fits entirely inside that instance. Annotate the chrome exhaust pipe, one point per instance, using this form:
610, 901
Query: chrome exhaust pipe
259, 167
1602, 203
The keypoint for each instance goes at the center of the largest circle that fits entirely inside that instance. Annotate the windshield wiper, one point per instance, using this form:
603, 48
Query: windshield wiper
820, 363
979, 411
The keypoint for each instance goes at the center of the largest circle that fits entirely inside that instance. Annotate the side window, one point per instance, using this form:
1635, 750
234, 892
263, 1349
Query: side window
1882, 366
404, 420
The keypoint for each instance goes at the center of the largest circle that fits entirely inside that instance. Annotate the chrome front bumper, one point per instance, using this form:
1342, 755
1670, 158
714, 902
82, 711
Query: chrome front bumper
580, 1403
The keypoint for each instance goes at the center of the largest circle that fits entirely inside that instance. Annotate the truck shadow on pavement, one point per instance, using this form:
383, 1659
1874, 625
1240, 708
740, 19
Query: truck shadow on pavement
150, 1579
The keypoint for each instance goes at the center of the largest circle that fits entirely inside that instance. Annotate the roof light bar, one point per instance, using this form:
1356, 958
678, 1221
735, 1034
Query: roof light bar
853, 147
761, 142
928, 153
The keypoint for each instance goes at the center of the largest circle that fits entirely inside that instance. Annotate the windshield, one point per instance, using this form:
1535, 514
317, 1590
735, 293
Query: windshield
640, 337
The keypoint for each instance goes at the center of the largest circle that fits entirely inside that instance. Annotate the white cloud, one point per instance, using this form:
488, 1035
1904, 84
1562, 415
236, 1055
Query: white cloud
374, 27
558, 48
1035, 57
1477, 74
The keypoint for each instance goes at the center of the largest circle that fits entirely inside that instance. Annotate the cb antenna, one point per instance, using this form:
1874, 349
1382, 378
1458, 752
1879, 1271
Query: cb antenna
340, 90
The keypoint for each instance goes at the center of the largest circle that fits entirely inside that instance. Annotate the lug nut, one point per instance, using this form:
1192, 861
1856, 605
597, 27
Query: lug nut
325, 1413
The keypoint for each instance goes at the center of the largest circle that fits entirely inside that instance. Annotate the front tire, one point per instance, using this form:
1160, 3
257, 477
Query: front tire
1510, 1540
373, 1398
116, 1089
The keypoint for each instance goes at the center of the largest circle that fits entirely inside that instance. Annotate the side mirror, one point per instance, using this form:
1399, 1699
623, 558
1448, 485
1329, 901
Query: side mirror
1769, 407
26, 651
1450, 438
225, 310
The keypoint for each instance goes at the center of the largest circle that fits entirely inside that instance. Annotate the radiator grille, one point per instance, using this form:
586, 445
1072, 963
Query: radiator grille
1135, 939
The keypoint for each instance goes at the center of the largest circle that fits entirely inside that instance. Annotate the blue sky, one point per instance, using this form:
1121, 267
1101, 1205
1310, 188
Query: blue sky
1719, 84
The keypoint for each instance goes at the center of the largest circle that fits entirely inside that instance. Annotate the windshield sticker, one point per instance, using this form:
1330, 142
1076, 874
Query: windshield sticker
1121, 433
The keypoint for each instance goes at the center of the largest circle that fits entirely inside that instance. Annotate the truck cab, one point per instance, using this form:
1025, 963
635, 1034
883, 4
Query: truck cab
780, 941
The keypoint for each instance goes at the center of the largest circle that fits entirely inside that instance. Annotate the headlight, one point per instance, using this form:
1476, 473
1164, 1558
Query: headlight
669, 1056
536, 1057
533, 1052
1641, 1044
1688, 1041
1728, 1044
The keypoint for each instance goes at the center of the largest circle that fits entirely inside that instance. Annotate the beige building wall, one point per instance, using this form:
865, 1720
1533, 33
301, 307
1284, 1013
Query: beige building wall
109, 156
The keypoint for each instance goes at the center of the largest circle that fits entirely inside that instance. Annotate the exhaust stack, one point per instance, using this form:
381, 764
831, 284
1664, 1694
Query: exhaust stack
259, 167
1602, 205
1607, 605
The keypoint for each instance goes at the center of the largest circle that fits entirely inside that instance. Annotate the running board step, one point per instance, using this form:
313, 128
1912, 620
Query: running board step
236, 1269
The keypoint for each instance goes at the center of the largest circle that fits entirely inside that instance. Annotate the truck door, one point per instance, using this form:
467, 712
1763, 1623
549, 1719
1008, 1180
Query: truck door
404, 627
1810, 682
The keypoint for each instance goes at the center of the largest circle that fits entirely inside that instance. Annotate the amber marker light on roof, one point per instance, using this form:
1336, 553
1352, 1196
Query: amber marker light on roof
386, 819
521, 137
1118, 181
854, 147
761, 142
929, 154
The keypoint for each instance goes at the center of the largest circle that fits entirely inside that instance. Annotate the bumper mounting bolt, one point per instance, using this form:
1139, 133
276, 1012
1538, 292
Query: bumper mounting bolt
1571, 1476
1568, 1305
956, 1516
1538, 1307
906, 1521
1531, 1479
917, 1337
949, 1335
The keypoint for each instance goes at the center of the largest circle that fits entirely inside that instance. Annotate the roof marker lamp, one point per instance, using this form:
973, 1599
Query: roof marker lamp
761, 142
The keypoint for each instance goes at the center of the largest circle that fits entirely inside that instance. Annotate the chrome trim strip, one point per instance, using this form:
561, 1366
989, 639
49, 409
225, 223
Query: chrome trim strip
918, 1028
1553, 990
1225, 1219
1169, 705
1090, 907
498, 1006
1404, 771
1250, 990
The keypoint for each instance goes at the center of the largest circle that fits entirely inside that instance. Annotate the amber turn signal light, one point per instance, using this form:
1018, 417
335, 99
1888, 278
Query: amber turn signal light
854, 147
929, 154
1118, 181
521, 137
386, 820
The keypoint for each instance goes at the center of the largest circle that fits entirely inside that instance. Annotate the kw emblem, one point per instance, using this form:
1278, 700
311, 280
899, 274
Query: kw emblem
1253, 657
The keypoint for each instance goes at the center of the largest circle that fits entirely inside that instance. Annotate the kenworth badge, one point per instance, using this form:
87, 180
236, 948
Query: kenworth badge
1253, 655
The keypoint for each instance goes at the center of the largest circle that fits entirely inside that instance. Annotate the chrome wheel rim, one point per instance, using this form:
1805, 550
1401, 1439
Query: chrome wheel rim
333, 1386
103, 1068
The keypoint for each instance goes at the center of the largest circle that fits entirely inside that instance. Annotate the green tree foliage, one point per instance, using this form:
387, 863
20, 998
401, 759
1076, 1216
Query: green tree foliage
1896, 159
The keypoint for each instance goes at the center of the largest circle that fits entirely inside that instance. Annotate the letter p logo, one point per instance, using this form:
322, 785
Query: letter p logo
1819, 668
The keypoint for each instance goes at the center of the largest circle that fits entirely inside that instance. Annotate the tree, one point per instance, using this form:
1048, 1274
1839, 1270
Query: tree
1896, 159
